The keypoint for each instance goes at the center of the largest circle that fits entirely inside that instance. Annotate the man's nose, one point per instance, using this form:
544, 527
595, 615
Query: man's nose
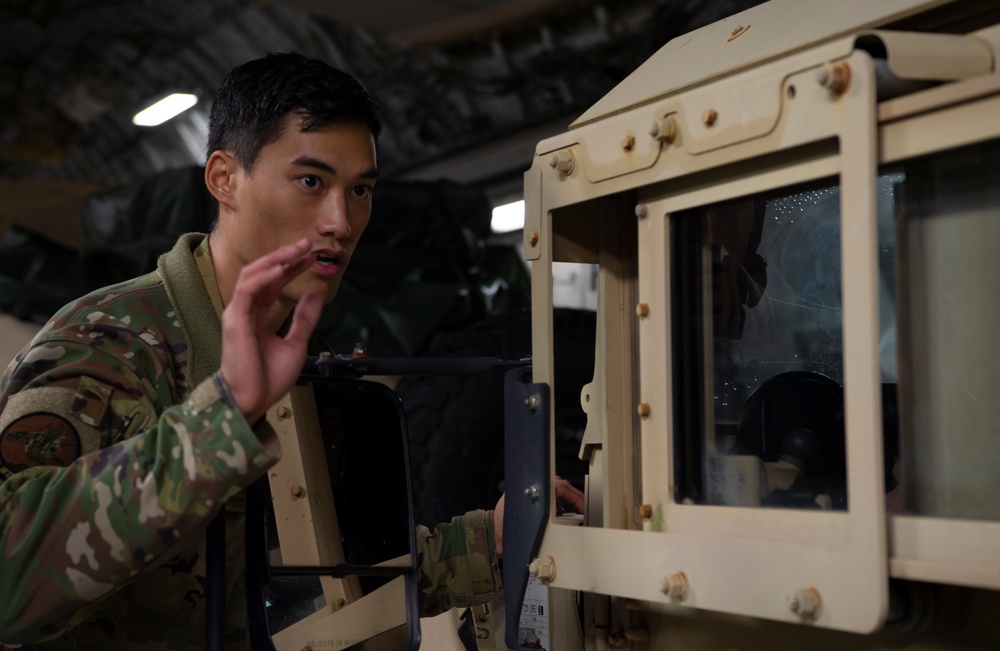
332, 220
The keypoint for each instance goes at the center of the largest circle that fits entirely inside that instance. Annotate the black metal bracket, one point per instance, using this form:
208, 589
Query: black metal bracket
528, 483
329, 366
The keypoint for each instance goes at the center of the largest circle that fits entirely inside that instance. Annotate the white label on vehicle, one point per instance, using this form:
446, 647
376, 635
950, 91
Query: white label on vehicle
533, 627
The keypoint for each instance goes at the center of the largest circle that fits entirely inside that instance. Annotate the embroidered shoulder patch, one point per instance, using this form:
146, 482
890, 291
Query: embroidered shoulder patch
39, 439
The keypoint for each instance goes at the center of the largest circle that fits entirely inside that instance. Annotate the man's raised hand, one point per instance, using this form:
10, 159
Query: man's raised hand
260, 366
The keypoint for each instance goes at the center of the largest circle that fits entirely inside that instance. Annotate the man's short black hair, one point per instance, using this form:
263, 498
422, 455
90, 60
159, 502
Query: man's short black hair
255, 98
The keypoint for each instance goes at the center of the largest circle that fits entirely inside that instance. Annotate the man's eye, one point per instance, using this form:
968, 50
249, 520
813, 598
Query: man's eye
311, 182
362, 191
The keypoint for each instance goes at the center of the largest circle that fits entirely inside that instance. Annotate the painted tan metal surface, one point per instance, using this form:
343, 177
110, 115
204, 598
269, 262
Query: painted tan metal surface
304, 510
750, 38
861, 532
374, 614
939, 57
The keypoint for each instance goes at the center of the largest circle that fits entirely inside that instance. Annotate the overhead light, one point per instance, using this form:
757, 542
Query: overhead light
168, 107
508, 217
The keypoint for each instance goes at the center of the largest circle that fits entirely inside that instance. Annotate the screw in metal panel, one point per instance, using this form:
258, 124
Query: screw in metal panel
642, 310
543, 569
641, 210
709, 117
805, 603
628, 142
675, 586
835, 77
645, 511
533, 402
533, 239
298, 491
534, 492
283, 412
664, 128
562, 161
341, 602
643, 409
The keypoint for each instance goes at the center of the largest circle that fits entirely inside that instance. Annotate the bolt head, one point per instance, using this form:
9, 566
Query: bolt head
664, 128
835, 77
805, 603
543, 569
562, 161
675, 586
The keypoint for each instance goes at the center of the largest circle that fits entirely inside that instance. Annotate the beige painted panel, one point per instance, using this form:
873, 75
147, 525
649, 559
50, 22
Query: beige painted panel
305, 514
373, 614
747, 39
774, 553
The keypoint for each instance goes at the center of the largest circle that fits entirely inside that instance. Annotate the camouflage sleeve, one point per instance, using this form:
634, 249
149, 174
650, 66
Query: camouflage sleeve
101, 484
458, 564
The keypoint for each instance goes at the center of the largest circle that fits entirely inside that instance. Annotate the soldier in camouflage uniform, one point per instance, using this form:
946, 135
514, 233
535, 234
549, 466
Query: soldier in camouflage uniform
136, 414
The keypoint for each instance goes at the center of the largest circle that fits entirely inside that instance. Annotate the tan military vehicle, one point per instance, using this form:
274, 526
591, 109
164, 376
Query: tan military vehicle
793, 432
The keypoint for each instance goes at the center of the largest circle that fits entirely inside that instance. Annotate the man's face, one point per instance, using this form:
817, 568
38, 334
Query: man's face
313, 184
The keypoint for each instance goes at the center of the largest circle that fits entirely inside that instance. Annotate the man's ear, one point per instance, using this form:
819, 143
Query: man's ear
220, 177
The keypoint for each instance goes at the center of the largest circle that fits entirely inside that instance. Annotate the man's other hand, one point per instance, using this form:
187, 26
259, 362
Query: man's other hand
565, 492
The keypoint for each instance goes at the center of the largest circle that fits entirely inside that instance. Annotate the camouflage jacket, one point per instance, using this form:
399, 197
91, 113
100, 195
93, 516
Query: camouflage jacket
119, 442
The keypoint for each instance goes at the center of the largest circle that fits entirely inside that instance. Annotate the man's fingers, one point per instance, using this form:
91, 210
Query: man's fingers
283, 255
263, 278
570, 494
305, 318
